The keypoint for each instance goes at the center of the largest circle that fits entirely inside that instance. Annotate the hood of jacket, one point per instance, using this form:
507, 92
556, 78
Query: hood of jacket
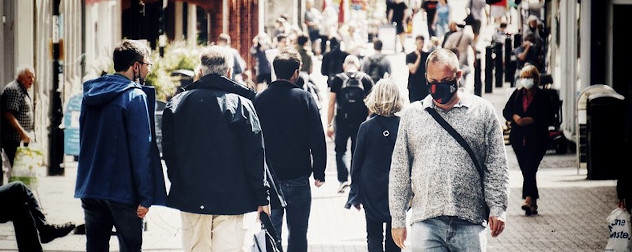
215, 81
104, 89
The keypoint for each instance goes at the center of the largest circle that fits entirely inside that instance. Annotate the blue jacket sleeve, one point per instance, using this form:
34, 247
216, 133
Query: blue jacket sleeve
138, 130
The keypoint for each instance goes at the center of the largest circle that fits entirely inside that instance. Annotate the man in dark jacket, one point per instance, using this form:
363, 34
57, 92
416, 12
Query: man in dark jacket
117, 180
333, 60
213, 147
295, 145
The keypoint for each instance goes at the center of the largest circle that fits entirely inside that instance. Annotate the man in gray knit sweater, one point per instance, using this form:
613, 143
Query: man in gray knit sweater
431, 169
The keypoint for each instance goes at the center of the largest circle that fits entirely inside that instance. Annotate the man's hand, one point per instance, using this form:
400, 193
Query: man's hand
496, 225
26, 138
318, 183
517, 119
621, 204
265, 209
527, 120
141, 211
330, 131
399, 236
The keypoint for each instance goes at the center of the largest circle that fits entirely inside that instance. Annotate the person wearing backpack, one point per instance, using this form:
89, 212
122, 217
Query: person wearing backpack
346, 101
377, 64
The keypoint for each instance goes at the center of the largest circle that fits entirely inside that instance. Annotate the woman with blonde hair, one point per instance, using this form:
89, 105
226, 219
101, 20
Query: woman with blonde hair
372, 161
528, 111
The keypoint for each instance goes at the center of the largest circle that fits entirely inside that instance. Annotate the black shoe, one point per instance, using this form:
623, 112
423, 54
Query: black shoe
52, 232
527, 209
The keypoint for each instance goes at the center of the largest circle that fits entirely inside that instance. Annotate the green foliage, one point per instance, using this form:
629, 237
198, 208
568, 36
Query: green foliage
177, 56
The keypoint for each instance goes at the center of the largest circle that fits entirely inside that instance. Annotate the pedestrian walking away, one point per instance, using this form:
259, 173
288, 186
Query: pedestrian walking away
31, 228
346, 102
117, 176
528, 110
416, 63
213, 149
372, 162
435, 168
295, 146
377, 65
17, 113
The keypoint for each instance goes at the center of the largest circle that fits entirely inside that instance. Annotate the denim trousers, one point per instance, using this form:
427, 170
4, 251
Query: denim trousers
344, 131
298, 196
448, 233
101, 215
20, 207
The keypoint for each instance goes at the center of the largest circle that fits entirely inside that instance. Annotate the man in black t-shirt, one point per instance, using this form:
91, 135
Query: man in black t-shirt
347, 123
430, 7
416, 62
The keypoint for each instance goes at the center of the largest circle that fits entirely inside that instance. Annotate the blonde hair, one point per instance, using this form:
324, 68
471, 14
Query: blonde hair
385, 99
530, 71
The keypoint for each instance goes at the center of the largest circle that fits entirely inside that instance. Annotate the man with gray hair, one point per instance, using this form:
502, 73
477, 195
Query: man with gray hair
17, 112
454, 197
213, 147
346, 102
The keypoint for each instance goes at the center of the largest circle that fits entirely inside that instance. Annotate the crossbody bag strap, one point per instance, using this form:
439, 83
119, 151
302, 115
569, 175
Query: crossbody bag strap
458, 138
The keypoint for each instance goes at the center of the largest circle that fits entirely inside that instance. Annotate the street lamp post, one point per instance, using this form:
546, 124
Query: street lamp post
56, 135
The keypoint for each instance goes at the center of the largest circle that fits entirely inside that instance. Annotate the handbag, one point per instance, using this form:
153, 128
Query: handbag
265, 240
28, 159
507, 132
479, 167
619, 226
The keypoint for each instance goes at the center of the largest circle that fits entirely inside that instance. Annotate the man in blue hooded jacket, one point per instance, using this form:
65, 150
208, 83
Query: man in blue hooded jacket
117, 177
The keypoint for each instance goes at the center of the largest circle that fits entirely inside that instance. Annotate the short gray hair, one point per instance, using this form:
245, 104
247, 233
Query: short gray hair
385, 98
22, 69
445, 57
216, 60
352, 60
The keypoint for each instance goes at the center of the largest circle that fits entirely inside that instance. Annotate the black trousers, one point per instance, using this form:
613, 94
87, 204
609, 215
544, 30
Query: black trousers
376, 239
20, 206
10, 147
529, 158
344, 131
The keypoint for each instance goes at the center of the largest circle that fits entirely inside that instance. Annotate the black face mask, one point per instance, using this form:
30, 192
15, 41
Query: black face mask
532, 28
442, 92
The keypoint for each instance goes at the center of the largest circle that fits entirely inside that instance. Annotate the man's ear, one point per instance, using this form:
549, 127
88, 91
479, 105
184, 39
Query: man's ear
229, 73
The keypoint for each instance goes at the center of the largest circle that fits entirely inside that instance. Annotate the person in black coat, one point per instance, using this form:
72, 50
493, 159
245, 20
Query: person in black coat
295, 146
528, 111
372, 162
213, 147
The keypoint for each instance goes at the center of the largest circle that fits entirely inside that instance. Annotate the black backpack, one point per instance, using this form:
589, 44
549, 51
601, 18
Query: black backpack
350, 99
375, 69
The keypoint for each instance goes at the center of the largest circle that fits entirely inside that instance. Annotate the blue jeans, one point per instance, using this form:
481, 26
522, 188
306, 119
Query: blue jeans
298, 195
448, 233
101, 215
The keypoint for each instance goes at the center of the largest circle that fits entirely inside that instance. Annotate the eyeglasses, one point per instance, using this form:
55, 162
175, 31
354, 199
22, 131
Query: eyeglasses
145, 63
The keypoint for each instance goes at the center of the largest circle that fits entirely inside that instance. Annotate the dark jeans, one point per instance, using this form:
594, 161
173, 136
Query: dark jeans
323, 43
343, 133
529, 159
375, 237
20, 207
298, 195
10, 148
101, 215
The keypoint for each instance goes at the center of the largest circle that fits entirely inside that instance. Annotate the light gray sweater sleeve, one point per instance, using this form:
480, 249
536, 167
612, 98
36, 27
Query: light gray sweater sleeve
399, 186
497, 174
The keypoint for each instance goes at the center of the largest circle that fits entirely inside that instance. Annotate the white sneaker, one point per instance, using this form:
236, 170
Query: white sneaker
343, 186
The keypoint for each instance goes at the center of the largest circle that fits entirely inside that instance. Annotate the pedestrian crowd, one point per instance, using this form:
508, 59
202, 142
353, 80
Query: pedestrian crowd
232, 148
